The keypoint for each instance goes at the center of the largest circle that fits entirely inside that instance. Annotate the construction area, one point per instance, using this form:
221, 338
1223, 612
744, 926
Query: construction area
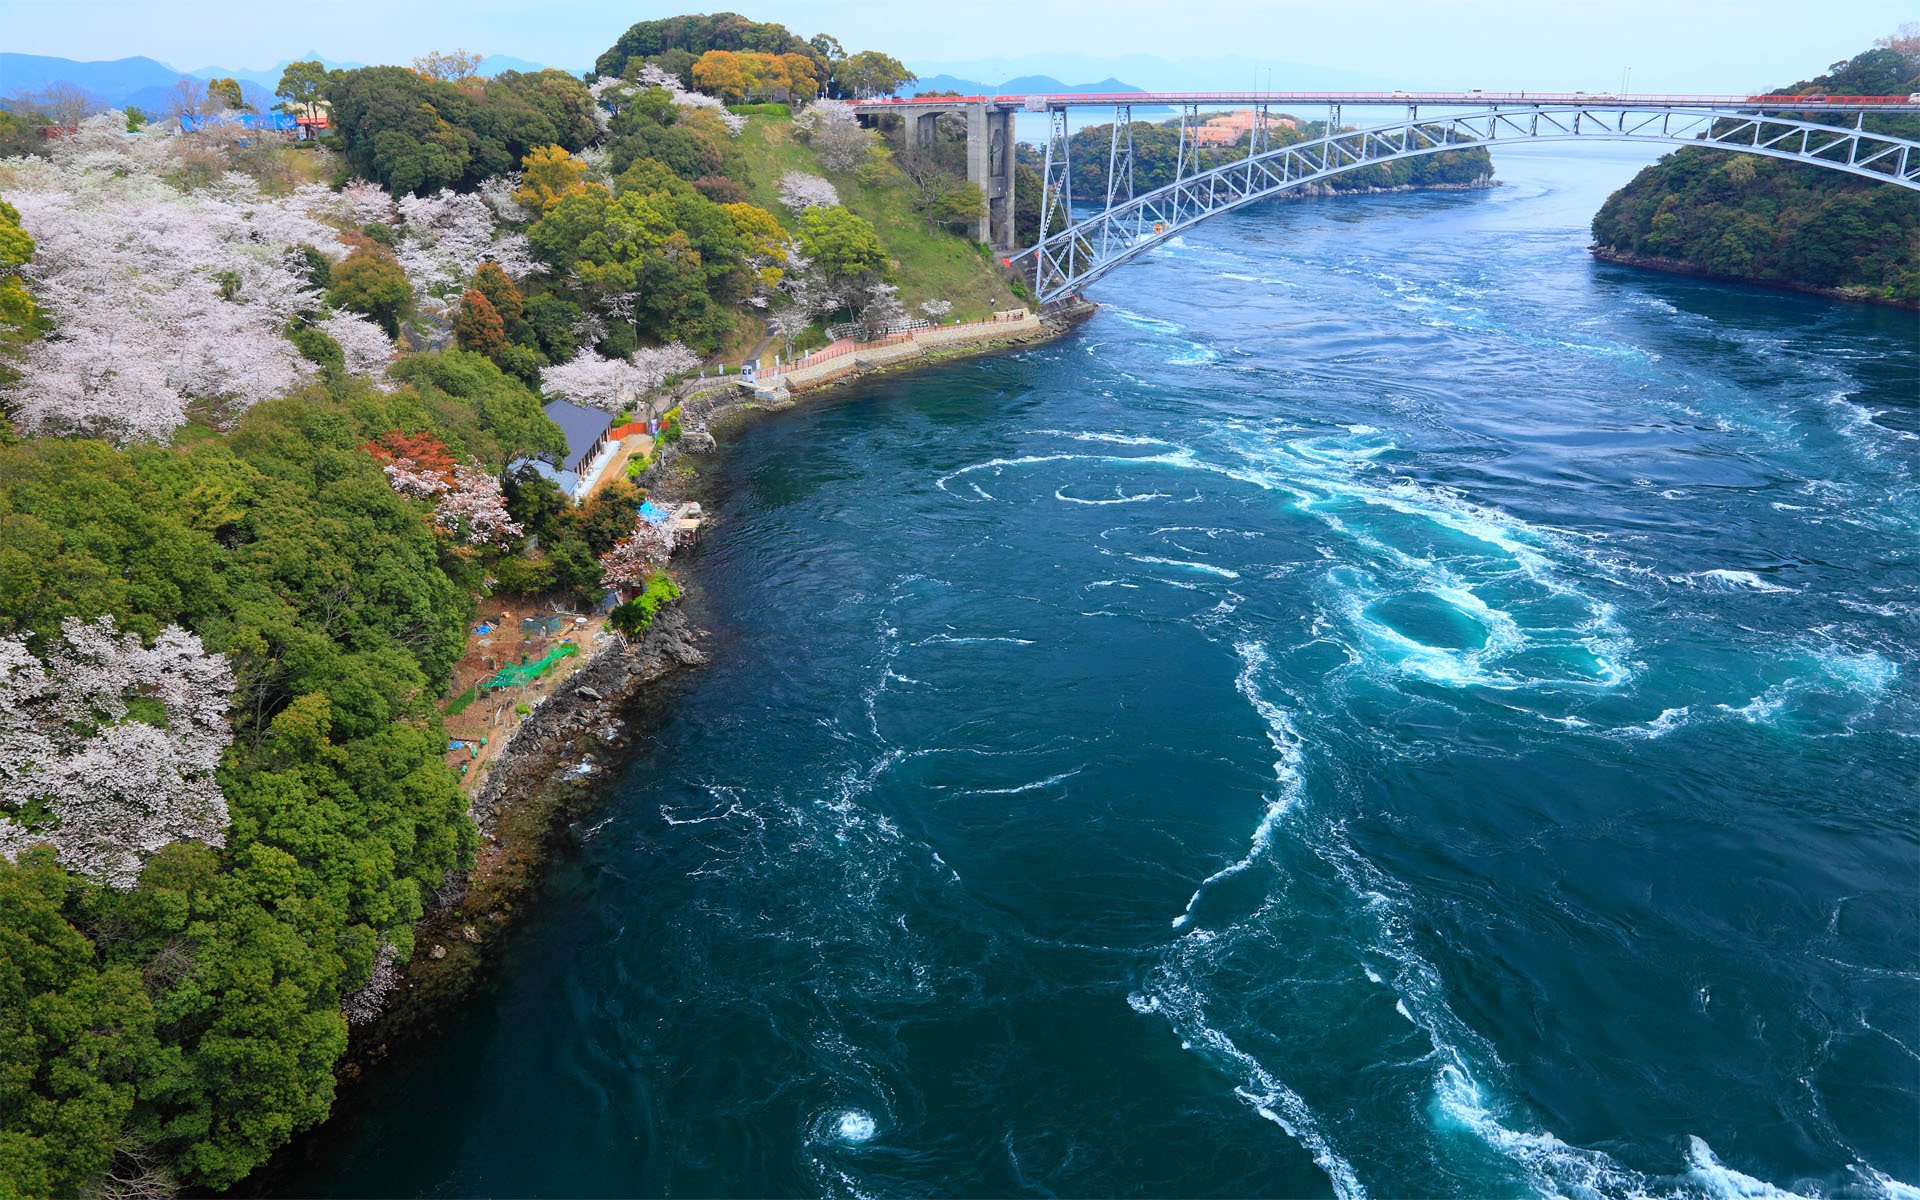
514, 659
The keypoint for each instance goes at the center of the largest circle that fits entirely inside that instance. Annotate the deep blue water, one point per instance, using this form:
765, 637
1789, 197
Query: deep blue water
1389, 707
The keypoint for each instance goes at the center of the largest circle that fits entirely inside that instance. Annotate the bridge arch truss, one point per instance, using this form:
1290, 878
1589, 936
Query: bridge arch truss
1081, 251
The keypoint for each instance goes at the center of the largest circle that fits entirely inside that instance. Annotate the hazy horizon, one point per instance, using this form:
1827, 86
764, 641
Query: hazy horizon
1495, 44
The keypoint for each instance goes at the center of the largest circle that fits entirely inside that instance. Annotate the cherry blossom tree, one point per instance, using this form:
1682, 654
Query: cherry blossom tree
654, 365
935, 309
637, 556
834, 131
589, 379
107, 783
448, 234
615, 384
474, 510
880, 308
365, 346
161, 301
655, 77
800, 191
789, 323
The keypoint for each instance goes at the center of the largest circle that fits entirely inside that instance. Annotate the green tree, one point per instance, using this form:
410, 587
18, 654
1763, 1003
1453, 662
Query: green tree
303, 85
871, 73
842, 244
369, 281
226, 94
74, 1037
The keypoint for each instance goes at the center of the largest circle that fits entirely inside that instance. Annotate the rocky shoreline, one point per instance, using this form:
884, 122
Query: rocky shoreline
1674, 266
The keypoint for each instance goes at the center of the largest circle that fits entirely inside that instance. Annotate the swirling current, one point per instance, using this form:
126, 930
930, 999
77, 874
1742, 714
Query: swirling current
1389, 706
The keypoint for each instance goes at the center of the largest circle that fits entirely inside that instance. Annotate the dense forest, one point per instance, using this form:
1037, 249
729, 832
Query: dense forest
1742, 216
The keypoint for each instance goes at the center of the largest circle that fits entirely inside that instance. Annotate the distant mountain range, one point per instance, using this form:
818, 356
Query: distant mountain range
1024, 85
149, 84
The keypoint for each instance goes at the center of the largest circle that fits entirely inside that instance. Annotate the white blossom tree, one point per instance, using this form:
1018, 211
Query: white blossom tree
789, 323
654, 365
834, 131
800, 191
880, 308
446, 235
161, 301
474, 510
109, 748
589, 379
935, 309
614, 384
637, 556
365, 346
655, 77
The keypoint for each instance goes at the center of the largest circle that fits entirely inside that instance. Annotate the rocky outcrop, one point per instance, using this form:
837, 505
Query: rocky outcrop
585, 709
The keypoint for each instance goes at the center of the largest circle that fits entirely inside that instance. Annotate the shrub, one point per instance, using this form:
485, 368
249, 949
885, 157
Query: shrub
636, 614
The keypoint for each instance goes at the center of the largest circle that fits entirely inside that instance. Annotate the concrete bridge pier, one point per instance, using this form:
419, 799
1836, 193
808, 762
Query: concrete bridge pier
989, 161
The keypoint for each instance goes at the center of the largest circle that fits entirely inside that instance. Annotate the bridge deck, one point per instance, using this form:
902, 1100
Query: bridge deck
1039, 103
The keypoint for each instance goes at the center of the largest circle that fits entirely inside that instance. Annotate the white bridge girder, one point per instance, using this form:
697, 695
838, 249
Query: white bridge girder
1069, 258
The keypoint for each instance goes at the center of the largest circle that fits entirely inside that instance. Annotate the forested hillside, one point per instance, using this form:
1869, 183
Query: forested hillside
1769, 221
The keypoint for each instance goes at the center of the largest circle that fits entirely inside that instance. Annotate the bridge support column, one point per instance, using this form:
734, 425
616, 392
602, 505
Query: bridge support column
990, 168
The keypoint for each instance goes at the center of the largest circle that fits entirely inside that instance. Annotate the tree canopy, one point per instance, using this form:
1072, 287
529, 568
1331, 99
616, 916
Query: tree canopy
417, 134
1770, 221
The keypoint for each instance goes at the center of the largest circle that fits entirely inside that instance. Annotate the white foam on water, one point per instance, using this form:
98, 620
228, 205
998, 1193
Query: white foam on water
1745, 579
1722, 1182
1060, 493
1288, 772
1111, 439
1183, 564
1669, 720
855, 1127
1035, 786
1868, 672
1259, 1088
947, 639
1552, 1167
1142, 321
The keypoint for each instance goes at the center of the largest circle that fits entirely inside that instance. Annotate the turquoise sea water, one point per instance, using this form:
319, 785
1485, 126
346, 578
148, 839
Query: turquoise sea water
1389, 707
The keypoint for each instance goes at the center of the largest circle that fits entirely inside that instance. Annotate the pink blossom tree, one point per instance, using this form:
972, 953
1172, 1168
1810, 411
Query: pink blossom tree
800, 191
365, 346
79, 769
474, 509
637, 556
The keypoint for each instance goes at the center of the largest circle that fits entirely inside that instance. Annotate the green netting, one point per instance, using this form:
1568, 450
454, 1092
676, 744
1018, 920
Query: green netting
520, 673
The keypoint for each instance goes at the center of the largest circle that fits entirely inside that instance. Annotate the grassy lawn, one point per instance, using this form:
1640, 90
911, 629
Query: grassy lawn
927, 266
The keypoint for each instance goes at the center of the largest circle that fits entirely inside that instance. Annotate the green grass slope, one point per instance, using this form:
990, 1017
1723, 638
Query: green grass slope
927, 266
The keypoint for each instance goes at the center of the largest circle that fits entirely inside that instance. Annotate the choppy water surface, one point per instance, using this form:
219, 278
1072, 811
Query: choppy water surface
1390, 707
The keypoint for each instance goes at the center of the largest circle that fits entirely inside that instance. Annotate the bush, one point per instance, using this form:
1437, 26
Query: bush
636, 614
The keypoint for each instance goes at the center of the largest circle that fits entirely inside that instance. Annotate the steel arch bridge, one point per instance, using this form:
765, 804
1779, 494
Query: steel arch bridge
1080, 251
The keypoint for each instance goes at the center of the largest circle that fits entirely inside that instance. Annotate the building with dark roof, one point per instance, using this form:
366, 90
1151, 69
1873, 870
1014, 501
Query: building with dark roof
586, 431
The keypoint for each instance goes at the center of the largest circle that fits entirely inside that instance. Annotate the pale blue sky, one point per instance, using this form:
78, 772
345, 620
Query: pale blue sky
1672, 45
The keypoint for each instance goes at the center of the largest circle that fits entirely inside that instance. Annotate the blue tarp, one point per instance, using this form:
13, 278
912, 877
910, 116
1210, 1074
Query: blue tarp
652, 515
280, 122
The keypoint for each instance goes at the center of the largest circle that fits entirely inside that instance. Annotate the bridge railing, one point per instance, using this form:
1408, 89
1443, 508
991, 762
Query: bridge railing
1042, 101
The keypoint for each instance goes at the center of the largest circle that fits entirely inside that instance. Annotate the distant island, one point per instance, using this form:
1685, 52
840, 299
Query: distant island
1762, 220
